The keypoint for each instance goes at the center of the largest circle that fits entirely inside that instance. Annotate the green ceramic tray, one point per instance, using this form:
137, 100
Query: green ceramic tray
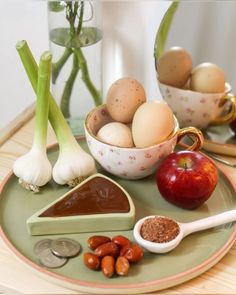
193, 256
220, 140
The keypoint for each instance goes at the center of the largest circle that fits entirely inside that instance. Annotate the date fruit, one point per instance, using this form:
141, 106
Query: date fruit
92, 261
122, 266
121, 241
112, 255
108, 266
109, 248
133, 253
95, 241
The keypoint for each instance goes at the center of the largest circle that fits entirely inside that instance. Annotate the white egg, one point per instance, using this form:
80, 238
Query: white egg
153, 122
207, 78
117, 134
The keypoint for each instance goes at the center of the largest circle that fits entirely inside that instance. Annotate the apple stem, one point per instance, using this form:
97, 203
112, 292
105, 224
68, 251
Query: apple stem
186, 166
185, 163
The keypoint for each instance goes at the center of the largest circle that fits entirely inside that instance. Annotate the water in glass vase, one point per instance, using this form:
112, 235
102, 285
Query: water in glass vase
75, 40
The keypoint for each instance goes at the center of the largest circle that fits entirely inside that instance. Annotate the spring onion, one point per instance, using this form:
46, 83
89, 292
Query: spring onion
34, 169
73, 164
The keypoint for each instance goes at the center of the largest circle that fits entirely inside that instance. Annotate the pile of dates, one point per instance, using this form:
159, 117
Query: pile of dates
112, 255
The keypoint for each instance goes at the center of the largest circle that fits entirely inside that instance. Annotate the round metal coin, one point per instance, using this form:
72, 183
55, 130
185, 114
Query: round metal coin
42, 245
48, 259
65, 247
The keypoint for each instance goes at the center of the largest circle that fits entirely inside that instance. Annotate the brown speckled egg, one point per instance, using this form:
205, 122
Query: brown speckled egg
174, 67
123, 98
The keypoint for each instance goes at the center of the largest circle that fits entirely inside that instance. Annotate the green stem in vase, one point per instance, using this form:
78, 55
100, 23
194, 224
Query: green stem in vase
83, 64
86, 77
66, 95
71, 13
57, 66
80, 19
71, 16
74, 10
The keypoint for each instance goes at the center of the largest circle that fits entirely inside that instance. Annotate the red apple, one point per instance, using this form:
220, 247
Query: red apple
186, 179
233, 126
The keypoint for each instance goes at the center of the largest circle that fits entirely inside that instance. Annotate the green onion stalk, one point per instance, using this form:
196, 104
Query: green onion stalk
34, 169
75, 17
73, 164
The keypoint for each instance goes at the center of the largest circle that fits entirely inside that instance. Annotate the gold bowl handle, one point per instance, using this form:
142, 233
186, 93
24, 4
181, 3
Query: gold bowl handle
193, 132
231, 115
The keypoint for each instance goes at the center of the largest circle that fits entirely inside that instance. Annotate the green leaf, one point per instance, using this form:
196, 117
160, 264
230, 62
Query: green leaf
163, 30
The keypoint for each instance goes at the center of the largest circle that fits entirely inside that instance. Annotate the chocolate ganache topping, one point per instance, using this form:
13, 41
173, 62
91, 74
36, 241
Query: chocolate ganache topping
96, 196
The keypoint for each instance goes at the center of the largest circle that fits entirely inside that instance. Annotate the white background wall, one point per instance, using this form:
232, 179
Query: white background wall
207, 30
131, 23
19, 19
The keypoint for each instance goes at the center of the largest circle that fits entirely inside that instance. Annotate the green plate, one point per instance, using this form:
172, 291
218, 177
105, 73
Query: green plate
196, 253
220, 139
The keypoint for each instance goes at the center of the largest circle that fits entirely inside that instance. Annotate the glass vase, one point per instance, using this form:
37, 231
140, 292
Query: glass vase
75, 41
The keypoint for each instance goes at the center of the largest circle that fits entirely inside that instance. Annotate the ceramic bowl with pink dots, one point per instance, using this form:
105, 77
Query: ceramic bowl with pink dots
131, 163
197, 109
